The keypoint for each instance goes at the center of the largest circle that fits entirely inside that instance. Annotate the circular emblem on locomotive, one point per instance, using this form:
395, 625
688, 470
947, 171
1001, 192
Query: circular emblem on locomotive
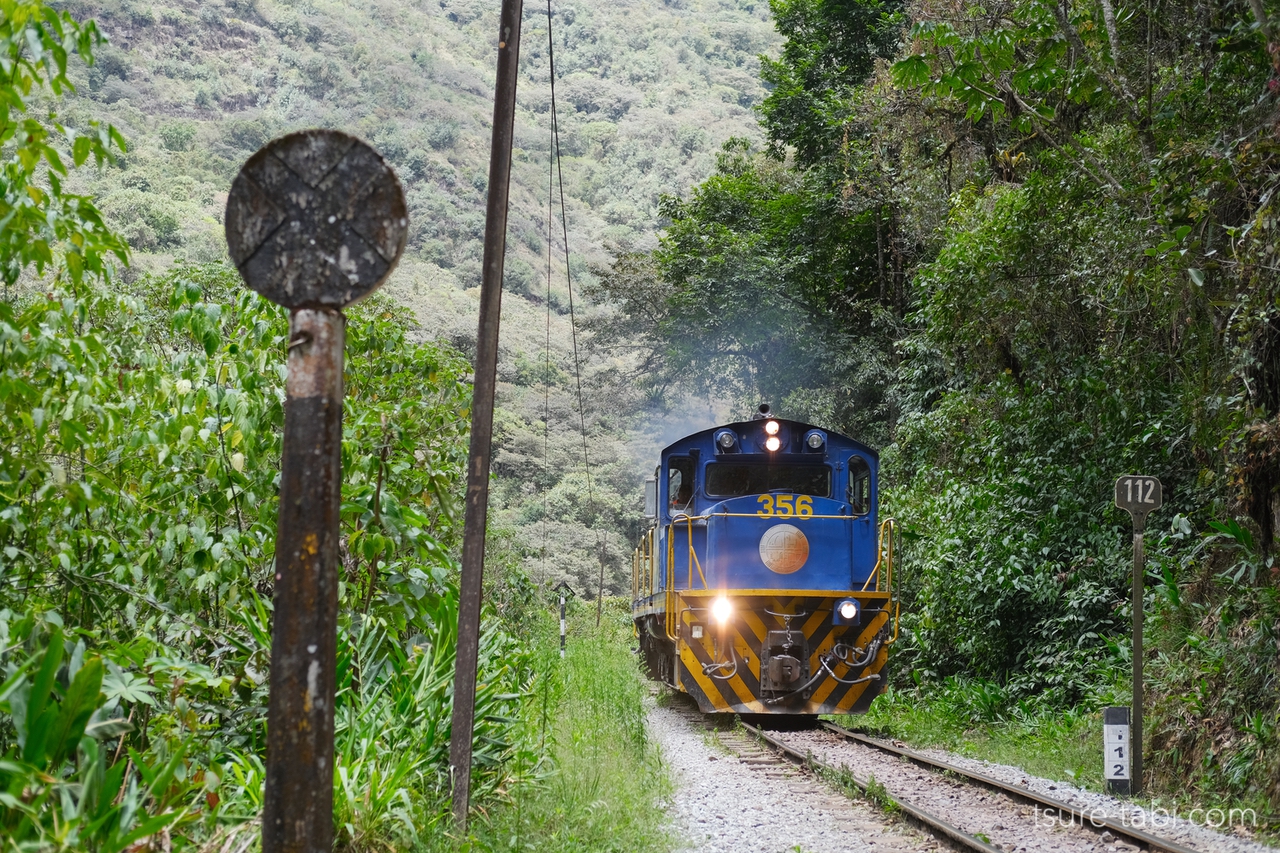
784, 549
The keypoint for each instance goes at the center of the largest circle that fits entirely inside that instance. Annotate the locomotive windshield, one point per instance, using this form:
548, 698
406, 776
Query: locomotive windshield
732, 479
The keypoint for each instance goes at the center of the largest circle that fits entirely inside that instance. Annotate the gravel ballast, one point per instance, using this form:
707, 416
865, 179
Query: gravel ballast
1182, 831
752, 803
1009, 824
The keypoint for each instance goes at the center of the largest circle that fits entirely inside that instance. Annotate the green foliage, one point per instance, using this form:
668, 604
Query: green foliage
142, 435
629, 79
145, 454
831, 47
178, 135
60, 789
977, 719
1217, 695
1035, 253
1035, 571
603, 787
43, 224
770, 266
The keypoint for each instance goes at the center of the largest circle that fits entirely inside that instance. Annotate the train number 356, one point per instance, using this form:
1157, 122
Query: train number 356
785, 506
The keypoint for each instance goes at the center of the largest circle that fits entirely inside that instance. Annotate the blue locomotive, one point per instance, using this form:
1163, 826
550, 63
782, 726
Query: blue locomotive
764, 584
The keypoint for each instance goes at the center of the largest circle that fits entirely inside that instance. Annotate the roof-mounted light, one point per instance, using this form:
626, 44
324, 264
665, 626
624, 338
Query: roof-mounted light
815, 439
726, 440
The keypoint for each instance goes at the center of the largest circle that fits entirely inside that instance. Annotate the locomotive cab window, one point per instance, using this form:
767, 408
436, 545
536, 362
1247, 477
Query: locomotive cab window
859, 486
680, 482
734, 479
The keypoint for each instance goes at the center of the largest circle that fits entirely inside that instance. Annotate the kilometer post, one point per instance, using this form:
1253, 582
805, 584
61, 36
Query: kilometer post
565, 590
315, 221
1139, 495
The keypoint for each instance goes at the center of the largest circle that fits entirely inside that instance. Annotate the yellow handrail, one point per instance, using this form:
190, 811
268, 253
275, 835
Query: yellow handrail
671, 600
693, 555
885, 557
642, 567
647, 545
890, 525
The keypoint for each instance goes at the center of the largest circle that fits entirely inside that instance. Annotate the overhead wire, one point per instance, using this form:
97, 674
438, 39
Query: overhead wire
556, 176
546, 350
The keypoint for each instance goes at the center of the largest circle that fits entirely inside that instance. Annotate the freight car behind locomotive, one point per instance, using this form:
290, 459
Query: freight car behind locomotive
764, 584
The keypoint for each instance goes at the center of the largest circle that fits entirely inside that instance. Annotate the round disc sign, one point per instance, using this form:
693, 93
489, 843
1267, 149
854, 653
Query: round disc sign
316, 219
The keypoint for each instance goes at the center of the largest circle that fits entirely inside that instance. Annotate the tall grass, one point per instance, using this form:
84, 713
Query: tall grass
603, 785
976, 719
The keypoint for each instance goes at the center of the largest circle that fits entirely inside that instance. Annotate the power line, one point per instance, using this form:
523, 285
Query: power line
556, 176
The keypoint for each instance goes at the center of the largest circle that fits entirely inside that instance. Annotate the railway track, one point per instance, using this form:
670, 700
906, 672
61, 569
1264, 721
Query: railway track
996, 821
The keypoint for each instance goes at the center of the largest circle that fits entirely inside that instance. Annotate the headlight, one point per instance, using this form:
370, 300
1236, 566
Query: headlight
726, 440
847, 612
814, 440
721, 609
772, 443
771, 427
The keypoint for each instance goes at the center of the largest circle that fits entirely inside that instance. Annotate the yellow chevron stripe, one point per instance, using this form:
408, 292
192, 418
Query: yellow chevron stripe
814, 622
830, 684
855, 693
714, 688
756, 624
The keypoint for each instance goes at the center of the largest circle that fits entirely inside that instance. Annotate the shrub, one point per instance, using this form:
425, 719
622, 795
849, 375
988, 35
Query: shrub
440, 134
142, 429
248, 134
178, 135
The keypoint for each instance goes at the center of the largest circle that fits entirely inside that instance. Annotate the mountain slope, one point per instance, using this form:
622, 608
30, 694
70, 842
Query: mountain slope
646, 92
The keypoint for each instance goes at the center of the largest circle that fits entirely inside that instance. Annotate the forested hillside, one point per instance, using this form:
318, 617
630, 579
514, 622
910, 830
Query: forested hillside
646, 92
1025, 249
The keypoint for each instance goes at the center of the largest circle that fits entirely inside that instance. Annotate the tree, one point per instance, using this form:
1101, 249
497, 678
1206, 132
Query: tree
42, 224
831, 48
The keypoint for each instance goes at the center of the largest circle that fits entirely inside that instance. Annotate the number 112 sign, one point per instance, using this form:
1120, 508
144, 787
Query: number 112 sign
1139, 495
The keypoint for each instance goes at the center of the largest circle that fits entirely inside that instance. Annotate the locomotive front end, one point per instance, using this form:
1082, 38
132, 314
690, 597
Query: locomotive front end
765, 584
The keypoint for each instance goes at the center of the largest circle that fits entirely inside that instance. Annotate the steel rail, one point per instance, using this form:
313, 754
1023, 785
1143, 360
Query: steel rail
931, 822
1085, 818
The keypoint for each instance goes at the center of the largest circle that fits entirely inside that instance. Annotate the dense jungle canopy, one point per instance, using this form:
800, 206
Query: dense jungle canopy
1025, 248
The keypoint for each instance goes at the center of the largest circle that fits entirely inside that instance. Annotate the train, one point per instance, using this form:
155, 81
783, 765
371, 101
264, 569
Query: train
763, 583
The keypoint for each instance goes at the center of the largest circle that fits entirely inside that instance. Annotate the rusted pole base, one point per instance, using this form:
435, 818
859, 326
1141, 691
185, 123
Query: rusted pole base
298, 808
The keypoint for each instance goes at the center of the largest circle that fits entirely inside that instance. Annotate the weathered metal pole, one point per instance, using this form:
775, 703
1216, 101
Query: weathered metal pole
315, 220
298, 801
477, 500
1139, 570
1139, 495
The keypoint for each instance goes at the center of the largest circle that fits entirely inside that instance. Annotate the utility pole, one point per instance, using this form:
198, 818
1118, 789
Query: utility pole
477, 500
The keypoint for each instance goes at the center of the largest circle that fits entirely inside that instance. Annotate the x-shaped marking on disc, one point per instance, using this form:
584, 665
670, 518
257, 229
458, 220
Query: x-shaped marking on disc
316, 218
